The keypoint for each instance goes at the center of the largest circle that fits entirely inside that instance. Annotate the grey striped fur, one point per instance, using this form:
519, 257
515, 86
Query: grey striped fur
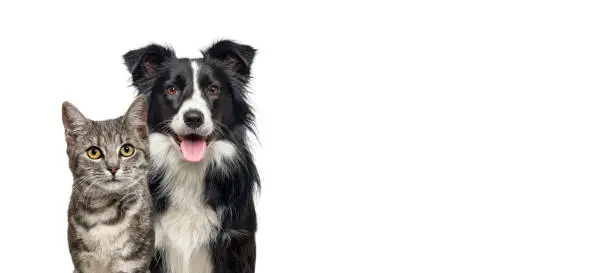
110, 225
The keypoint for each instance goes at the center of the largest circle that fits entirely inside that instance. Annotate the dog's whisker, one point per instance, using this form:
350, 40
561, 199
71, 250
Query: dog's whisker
190, 179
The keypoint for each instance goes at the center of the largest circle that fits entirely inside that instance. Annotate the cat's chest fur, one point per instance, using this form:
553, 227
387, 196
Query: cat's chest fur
110, 224
106, 235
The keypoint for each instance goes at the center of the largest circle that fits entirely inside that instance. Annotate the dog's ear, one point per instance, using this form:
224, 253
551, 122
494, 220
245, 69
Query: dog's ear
75, 123
136, 116
235, 57
146, 61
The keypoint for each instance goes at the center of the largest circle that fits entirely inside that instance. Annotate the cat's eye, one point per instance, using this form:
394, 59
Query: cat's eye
213, 90
172, 90
94, 153
126, 150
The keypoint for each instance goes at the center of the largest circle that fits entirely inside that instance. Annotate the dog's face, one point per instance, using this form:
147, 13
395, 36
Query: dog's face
194, 101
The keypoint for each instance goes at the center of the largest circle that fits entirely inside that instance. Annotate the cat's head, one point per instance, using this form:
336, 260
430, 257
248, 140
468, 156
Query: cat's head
110, 154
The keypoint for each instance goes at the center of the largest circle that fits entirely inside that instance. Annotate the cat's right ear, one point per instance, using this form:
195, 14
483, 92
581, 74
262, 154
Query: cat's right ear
136, 116
144, 62
74, 121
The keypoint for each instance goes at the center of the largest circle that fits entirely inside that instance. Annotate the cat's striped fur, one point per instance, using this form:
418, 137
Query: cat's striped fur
110, 227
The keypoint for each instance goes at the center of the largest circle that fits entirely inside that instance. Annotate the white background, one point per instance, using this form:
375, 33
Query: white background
424, 136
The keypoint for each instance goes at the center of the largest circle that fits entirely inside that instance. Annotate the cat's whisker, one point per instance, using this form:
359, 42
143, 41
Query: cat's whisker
106, 204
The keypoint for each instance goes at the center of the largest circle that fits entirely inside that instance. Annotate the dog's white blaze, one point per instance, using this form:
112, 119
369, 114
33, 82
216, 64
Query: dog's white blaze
195, 102
188, 225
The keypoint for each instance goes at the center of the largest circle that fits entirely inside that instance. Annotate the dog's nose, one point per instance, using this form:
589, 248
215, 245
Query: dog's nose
193, 118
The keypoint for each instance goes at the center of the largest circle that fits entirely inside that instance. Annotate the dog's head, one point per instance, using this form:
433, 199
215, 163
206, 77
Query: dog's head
195, 101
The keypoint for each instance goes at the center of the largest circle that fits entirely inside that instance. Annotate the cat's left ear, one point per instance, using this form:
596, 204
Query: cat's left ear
136, 116
75, 123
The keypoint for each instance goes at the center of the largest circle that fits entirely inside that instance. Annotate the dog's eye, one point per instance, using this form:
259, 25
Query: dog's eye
213, 90
171, 90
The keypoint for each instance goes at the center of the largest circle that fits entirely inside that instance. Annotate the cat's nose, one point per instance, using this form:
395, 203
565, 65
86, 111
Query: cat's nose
112, 170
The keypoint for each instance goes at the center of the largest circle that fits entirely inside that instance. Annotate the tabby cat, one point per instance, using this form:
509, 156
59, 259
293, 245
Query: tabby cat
110, 227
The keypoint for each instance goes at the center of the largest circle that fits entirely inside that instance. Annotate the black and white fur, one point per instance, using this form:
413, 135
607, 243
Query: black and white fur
204, 211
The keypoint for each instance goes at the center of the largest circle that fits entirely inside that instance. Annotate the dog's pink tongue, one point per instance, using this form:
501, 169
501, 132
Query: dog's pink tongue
193, 150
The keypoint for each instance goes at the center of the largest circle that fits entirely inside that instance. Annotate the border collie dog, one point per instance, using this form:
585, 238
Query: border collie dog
202, 177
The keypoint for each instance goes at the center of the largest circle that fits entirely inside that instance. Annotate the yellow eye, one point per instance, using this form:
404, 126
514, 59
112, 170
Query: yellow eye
127, 150
94, 153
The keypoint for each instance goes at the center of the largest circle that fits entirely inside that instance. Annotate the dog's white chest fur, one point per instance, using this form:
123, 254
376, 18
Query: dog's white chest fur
186, 228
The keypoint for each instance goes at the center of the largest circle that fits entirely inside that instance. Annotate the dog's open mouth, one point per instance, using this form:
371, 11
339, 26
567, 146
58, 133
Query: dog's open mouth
192, 146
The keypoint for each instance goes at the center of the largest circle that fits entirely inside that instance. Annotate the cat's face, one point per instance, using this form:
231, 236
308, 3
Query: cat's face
107, 155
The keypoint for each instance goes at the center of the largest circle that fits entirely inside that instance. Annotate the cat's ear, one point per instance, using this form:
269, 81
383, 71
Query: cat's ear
235, 57
146, 61
136, 116
75, 123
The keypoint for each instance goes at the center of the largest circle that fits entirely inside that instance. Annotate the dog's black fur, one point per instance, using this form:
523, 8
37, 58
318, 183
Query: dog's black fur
228, 65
